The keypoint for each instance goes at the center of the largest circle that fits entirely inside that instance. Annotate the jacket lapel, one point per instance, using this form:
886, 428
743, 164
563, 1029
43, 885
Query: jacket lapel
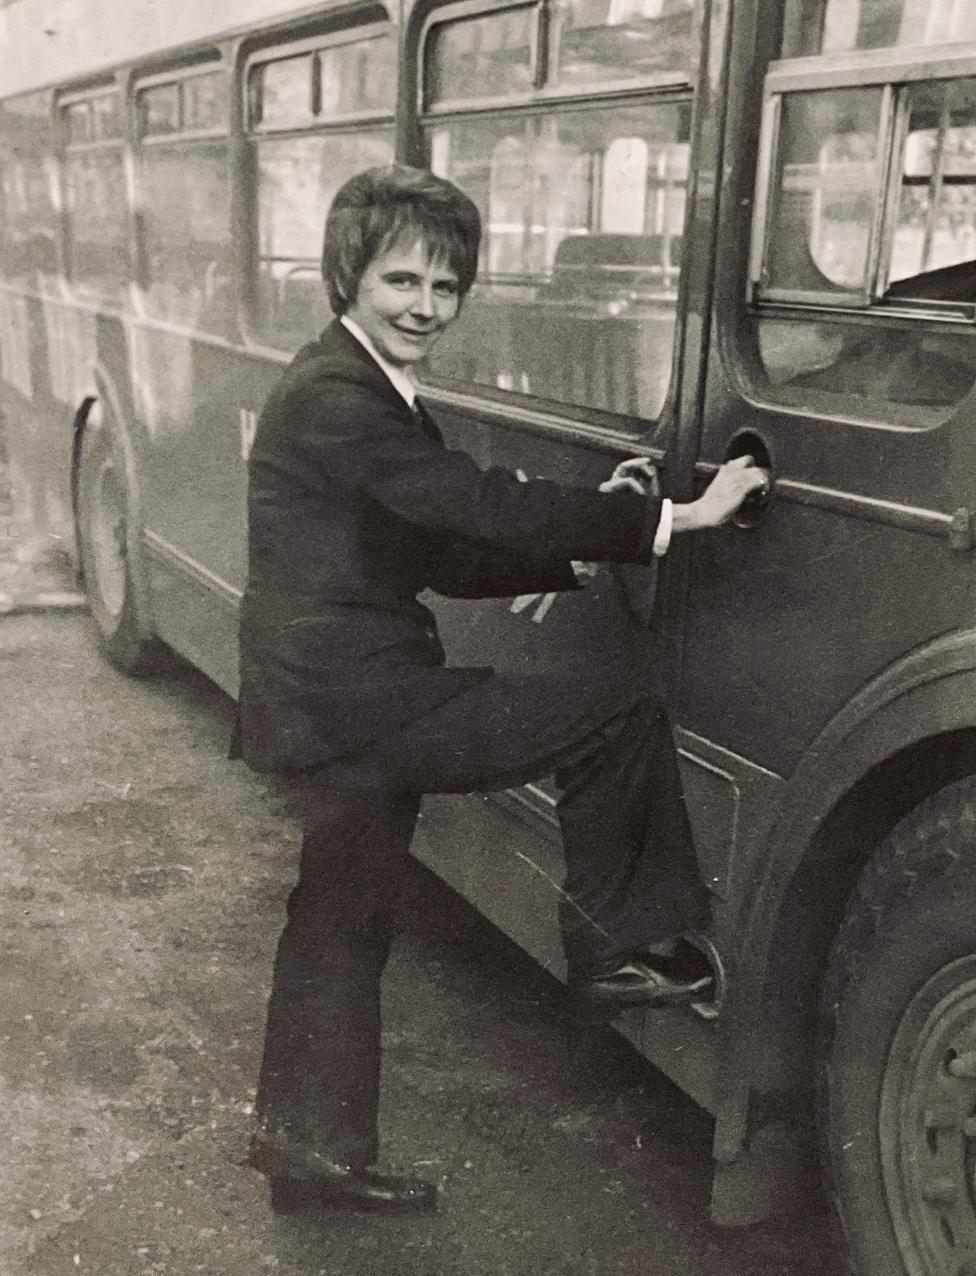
338, 337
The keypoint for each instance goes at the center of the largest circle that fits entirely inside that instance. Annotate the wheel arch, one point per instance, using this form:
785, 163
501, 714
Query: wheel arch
907, 734
103, 409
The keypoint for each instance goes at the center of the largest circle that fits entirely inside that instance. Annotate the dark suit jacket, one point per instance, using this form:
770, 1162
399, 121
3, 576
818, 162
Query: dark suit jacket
355, 506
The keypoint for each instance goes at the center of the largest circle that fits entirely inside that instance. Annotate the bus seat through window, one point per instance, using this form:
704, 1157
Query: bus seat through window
612, 267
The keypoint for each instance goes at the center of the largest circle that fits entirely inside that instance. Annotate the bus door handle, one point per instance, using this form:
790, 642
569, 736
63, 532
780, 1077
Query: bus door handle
754, 507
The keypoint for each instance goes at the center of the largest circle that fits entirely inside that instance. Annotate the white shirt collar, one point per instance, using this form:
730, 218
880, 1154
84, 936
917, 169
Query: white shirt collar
401, 381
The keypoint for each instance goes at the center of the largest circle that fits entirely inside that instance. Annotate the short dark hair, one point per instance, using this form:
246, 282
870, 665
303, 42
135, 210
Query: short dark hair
374, 208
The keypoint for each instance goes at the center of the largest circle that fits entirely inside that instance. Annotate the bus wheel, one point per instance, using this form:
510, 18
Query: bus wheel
897, 1059
104, 542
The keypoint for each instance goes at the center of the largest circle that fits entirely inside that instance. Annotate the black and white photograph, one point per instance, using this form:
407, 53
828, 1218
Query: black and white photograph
488, 637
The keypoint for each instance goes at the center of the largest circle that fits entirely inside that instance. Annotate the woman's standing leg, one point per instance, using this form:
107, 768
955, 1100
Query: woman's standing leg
319, 1082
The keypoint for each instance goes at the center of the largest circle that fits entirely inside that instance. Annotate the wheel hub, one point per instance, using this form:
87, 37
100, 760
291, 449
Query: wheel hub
927, 1125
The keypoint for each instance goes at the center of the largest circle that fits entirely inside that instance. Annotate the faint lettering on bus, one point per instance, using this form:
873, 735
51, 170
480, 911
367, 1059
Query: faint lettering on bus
249, 423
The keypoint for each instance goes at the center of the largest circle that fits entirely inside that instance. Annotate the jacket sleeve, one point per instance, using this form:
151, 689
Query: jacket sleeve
346, 434
468, 570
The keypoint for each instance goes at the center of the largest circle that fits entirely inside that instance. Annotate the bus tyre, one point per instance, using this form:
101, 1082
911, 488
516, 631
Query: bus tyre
897, 1058
105, 542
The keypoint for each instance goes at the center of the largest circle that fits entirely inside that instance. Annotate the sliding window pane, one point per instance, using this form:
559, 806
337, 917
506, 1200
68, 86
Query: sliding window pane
583, 214
205, 102
826, 189
628, 40
359, 76
834, 26
483, 57
159, 110
285, 93
936, 226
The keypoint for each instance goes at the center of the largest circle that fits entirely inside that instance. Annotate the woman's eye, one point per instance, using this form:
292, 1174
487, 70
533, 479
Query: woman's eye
402, 281
446, 289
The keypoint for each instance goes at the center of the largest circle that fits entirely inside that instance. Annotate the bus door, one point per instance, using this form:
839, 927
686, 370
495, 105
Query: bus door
573, 137
844, 363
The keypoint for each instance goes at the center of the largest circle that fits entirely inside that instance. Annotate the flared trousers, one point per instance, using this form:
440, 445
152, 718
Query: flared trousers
631, 873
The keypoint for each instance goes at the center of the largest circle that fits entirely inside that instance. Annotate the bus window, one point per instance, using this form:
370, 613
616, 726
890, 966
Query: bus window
336, 103
96, 195
823, 200
596, 42
583, 203
576, 296
28, 217
935, 227
283, 93
184, 201
487, 56
831, 26
870, 205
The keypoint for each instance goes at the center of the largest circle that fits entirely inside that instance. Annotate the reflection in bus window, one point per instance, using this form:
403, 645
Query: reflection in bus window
596, 41
296, 181
186, 234
912, 366
98, 243
28, 220
576, 296
813, 27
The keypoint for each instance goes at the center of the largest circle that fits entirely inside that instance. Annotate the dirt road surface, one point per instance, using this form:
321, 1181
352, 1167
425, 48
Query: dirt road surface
142, 883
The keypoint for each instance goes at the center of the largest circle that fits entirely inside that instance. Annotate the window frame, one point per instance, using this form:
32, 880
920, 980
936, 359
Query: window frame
314, 44
255, 326
651, 92
541, 93
179, 76
892, 71
119, 144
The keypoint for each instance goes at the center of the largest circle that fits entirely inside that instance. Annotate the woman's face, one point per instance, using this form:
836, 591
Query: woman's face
405, 300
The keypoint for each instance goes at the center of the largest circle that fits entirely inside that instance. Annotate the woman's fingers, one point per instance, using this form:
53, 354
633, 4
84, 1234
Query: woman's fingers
623, 482
635, 474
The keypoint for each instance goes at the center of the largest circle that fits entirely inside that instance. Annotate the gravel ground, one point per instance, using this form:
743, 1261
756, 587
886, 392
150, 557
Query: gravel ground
142, 883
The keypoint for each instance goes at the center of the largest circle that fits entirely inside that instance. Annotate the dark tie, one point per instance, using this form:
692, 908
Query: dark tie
423, 419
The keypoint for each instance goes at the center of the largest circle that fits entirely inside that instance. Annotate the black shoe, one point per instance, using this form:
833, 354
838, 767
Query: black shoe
647, 980
301, 1177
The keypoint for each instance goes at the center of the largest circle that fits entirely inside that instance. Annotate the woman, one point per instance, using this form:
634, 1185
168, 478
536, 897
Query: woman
356, 506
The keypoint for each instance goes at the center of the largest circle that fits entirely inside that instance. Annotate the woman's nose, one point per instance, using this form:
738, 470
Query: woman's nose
423, 301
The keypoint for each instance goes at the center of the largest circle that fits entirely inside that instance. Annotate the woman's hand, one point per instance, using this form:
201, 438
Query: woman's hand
735, 481
636, 474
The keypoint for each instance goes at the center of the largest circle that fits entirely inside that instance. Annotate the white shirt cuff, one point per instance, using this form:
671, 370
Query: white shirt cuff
662, 537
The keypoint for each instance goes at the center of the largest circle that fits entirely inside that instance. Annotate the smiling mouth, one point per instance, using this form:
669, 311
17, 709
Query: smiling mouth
411, 332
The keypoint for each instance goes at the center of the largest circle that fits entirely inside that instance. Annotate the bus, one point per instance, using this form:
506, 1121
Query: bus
710, 229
